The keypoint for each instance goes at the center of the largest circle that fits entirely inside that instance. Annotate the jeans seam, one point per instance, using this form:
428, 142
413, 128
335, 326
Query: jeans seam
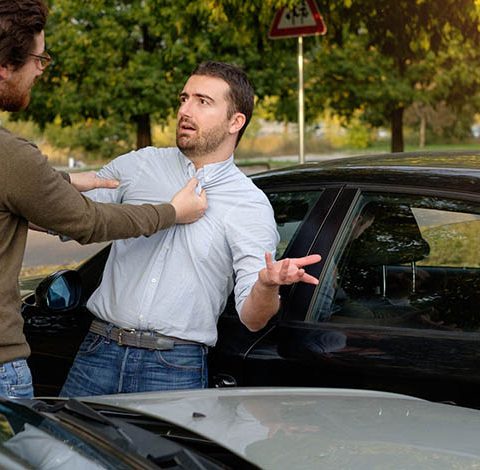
204, 375
122, 370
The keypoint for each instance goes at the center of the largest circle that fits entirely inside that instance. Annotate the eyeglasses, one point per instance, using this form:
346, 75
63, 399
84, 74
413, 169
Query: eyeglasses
43, 61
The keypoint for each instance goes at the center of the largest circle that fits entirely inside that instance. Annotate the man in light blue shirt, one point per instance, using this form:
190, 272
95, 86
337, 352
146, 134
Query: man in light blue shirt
160, 297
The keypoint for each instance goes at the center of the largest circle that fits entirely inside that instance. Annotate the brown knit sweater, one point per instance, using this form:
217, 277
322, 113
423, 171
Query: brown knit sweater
31, 190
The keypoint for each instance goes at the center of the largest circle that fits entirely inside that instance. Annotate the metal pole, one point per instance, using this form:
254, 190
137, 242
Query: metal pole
301, 115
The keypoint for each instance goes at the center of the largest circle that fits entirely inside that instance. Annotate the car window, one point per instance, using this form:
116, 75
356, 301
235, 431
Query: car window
291, 209
405, 261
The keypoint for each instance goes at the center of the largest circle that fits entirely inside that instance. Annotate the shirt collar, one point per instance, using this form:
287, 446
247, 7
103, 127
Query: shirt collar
208, 174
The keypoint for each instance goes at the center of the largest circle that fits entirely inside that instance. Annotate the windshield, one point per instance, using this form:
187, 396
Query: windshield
40, 443
73, 435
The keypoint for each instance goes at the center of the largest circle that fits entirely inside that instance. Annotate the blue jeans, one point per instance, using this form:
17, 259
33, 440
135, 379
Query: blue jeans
102, 367
15, 380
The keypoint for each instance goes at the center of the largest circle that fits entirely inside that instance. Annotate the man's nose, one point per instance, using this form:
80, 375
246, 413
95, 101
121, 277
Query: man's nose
185, 109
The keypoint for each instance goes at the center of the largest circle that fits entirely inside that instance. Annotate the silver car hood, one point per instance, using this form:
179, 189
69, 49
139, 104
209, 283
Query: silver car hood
309, 428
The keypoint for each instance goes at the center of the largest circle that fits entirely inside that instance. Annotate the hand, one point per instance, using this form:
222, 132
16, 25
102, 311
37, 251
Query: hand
87, 180
288, 271
189, 206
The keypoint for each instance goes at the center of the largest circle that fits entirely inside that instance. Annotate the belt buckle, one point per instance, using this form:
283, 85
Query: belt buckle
164, 344
121, 331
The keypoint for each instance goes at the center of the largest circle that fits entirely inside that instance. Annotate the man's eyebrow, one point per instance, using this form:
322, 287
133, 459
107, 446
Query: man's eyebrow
205, 97
184, 94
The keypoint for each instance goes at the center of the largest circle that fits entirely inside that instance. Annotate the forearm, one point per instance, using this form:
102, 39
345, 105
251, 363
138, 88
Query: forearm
261, 304
46, 200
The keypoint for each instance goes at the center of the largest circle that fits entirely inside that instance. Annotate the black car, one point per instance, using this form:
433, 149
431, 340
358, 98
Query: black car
398, 303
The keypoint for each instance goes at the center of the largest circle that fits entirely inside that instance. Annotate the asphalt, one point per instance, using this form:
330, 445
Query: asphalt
45, 250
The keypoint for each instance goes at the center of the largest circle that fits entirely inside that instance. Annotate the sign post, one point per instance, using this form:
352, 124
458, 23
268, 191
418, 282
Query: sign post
301, 104
304, 19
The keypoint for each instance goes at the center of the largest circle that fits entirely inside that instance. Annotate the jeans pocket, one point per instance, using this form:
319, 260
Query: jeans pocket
182, 356
20, 391
17, 379
90, 344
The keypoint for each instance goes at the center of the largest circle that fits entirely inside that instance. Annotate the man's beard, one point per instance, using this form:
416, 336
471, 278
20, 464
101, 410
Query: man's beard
203, 143
13, 98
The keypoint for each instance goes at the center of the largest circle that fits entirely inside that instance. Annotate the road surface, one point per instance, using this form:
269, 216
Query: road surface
45, 250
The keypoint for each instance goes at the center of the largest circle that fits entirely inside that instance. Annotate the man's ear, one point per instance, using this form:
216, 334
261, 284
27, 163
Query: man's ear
237, 121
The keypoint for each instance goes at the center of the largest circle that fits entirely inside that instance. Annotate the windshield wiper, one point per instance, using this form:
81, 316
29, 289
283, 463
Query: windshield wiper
161, 451
84, 411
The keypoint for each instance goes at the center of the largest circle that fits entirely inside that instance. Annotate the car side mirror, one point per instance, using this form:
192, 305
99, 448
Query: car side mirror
59, 292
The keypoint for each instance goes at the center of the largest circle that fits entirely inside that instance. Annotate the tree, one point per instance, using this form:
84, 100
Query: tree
383, 55
124, 60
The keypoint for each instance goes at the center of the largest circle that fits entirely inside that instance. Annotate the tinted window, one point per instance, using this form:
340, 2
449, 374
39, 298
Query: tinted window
406, 261
290, 208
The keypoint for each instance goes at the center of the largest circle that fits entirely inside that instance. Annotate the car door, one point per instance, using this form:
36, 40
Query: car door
299, 214
397, 305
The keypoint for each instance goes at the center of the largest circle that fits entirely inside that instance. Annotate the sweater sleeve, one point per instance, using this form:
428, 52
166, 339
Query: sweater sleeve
35, 191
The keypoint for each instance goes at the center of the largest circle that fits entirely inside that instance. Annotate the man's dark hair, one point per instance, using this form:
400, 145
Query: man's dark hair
20, 21
240, 96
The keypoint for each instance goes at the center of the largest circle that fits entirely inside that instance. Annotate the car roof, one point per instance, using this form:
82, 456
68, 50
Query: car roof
456, 171
320, 428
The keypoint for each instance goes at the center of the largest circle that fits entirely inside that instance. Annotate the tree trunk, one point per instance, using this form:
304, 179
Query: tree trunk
144, 132
423, 128
397, 130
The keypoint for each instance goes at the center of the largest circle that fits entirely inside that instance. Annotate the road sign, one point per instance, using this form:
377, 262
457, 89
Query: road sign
304, 19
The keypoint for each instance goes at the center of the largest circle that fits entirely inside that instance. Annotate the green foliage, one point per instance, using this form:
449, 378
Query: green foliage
359, 134
119, 61
26, 129
384, 55
94, 139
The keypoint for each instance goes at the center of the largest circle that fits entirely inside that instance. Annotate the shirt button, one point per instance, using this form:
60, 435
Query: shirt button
154, 280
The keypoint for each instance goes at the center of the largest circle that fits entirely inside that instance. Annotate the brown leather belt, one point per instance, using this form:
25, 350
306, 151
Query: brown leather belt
136, 338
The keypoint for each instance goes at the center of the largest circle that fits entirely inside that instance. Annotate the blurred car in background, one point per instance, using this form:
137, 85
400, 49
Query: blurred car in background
397, 306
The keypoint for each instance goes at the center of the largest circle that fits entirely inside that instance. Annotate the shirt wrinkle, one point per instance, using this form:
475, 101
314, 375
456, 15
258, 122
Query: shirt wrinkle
177, 281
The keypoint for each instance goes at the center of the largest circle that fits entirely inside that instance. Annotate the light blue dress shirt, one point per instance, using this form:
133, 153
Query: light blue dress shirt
177, 281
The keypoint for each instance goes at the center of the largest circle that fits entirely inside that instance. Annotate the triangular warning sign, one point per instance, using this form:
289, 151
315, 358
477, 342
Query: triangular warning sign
304, 19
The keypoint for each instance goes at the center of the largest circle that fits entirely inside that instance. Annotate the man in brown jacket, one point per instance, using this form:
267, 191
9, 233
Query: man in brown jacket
30, 190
